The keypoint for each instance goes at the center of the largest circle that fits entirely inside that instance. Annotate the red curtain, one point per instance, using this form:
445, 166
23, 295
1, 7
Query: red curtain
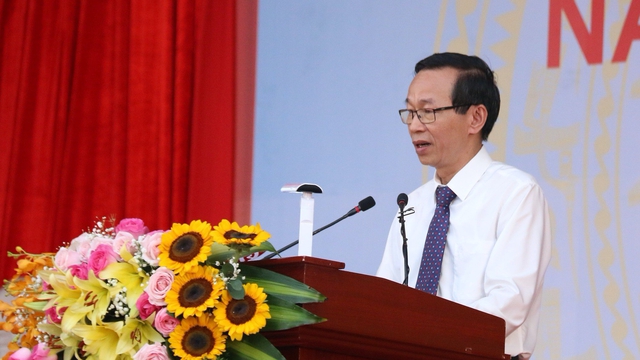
123, 108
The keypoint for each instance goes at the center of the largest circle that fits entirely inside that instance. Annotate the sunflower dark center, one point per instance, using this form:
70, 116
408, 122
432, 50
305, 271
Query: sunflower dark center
186, 247
232, 234
195, 292
198, 341
241, 311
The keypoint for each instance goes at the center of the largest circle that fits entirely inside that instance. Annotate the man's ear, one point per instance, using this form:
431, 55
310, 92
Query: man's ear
478, 115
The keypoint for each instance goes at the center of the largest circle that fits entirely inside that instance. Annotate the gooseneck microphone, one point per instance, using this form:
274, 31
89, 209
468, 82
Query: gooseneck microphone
402, 201
364, 205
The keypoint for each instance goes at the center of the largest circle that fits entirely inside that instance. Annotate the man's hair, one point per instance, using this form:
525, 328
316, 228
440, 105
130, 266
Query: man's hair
475, 84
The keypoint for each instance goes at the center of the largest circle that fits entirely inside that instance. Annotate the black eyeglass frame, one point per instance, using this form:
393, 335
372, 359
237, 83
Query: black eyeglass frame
414, 113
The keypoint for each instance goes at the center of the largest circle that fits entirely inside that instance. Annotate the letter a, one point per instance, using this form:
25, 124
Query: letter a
630, 31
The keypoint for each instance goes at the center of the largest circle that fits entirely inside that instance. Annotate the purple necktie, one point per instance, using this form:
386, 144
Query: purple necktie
429, 274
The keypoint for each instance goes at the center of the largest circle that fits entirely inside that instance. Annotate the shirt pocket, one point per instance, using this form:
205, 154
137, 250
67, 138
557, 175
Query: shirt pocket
470, 257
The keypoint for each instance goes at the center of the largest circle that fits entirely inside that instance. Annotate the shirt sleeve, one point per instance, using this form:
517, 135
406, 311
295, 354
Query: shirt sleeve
515, 269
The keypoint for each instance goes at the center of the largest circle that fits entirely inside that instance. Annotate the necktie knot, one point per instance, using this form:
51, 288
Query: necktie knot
444, 195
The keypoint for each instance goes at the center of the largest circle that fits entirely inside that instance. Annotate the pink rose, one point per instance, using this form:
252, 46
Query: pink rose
65, 258
159, 284
155, 351
82, 245
21, 354
124, 238
99, 240
150, 246
145, 308
80, 271
165, 323
133, 226
101, 257
54, 316
41, 352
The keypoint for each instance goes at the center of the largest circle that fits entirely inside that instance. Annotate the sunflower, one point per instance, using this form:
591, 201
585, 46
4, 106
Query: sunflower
246, 316
197, 338
195, 292
227, 233
184, 246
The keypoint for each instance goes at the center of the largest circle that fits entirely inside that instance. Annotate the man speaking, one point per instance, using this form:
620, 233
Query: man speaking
480, 234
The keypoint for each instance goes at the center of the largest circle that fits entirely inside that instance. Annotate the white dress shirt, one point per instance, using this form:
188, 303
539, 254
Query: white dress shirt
498, 245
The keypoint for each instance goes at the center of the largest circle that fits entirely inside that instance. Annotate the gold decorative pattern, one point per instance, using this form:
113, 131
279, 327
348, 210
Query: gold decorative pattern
506, 48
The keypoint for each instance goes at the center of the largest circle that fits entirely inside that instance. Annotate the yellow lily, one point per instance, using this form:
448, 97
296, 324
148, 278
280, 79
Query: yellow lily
100, 340
136, 333
128, 276
66, 294
94, 302
71, 345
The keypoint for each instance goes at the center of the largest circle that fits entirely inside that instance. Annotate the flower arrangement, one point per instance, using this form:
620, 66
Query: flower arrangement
121, 292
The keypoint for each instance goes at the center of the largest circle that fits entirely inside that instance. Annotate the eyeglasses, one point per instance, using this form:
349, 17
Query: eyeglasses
426, 116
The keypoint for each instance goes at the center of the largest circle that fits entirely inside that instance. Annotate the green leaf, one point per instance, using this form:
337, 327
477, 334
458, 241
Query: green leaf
280, 285
265, 246
245, 251
287, 315
235, 289
220, 253
227, 270
36, 305
50, 329
235, 284
253, 347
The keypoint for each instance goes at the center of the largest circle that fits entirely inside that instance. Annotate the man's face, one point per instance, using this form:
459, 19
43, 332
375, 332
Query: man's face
446, 143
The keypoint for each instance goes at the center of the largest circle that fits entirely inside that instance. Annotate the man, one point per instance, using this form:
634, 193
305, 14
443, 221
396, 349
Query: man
489, 244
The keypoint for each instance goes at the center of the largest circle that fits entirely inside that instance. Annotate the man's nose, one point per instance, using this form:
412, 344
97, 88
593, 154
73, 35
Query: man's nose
416, 124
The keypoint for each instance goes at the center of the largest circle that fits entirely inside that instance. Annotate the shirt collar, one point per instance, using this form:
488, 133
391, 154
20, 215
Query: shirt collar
464, 180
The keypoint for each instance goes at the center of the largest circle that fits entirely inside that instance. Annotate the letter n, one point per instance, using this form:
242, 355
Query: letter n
630, 31
591, 43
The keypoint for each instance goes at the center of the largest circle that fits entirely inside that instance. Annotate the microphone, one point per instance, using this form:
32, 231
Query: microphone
364, 205
402, 201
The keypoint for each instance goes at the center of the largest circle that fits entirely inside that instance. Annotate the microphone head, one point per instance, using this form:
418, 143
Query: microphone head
366, 203
403, 199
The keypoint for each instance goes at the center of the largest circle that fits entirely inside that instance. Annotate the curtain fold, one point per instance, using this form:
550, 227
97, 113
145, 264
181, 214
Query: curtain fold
216, 70
115, 108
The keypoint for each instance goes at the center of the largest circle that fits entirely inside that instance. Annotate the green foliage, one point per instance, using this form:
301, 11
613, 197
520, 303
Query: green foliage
253, 347
280, 285
287, 315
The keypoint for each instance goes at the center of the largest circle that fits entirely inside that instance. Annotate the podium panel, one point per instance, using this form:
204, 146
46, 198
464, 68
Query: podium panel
374, 318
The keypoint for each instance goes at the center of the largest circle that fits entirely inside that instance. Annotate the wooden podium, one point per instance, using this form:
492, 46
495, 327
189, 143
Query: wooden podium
374, 318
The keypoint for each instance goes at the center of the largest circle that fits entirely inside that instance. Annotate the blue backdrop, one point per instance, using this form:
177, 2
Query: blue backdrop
332, 74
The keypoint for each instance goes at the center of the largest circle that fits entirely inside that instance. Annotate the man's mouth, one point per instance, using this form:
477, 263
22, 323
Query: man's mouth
421, 144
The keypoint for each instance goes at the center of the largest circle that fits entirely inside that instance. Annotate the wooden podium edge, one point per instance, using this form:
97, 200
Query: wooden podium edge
343, 336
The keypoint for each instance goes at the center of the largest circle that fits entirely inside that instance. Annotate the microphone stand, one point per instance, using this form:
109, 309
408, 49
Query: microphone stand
404, 247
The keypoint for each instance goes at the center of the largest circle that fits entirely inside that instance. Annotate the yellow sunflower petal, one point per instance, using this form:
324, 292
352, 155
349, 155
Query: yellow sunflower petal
232, 234
193, 293
197, 339
185, 245
242, 317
